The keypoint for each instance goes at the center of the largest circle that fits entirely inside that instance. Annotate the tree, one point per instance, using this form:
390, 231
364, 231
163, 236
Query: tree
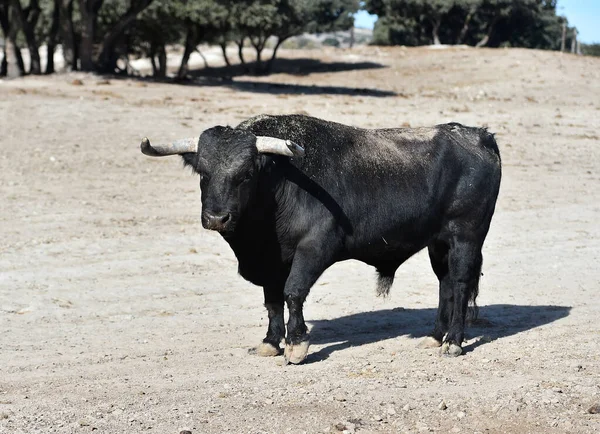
525, 23
12, 65
53, 36
259, 20
67, 34
107, 60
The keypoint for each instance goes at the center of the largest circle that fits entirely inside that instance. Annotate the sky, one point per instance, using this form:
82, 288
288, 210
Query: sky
583, 14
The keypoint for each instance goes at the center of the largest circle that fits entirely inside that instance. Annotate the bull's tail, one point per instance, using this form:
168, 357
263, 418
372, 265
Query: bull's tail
385, 280
473, 310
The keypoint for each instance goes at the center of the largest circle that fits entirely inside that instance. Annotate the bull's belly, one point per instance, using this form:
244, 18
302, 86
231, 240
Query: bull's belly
386, 248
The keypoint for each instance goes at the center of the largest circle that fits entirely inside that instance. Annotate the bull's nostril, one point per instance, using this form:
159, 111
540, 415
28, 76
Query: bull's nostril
225, 218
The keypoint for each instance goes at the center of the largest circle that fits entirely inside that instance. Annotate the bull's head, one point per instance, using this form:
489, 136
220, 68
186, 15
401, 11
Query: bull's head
228, 161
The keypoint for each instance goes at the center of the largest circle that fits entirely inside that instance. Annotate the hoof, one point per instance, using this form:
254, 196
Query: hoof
266, 349
451, 350
429, 342
295, 354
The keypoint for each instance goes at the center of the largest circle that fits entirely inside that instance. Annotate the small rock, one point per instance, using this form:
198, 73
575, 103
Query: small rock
185, 431
594, 409
340, 398
377, 418
442, 405
460, 415
391, 410
407, 407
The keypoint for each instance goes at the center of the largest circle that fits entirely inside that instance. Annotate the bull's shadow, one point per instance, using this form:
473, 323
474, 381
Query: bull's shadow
494, 322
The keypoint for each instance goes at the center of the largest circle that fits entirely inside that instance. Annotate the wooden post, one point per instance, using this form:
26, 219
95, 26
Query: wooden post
564, 37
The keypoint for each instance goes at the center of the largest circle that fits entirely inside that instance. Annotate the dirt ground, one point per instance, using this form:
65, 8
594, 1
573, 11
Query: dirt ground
120, 314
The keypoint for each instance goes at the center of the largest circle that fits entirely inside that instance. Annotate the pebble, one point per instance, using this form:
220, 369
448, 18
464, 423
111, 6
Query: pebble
185, 431
460, 415
407, 407
377, 418
340, 398
391, 410
594, 409
442, 405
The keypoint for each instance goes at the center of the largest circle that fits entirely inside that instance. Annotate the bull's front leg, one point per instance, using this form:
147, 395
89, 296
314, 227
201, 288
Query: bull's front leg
309, 263
276, 330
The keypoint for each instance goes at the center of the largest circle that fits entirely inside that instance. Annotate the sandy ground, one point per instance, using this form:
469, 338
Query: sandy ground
120, 314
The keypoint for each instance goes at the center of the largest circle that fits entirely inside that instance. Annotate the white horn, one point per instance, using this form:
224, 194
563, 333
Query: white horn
177, 147
273, 145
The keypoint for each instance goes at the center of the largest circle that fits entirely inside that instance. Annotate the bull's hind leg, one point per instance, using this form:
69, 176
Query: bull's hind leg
464, 269
276, 330
438, 255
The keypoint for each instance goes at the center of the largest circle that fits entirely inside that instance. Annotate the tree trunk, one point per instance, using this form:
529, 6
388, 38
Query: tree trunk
492, 27
162, 62
52, 37
107, 61
465, 27
3, 65
574, 41
4, 26
89, 20
563, 39
14, 61
259, 46
67, 34
191, 39
435, 31
240, 45
206, 65
280, 41
224, 50
27, 19
151, 55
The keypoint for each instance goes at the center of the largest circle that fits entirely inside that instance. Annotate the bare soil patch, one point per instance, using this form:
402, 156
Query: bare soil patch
119, 313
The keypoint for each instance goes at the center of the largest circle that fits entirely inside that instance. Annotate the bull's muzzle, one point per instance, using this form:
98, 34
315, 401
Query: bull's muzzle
219, 222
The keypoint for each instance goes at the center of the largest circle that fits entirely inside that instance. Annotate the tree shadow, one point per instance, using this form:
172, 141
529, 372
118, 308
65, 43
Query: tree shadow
299, 67
298, 89
226, 76
494, 322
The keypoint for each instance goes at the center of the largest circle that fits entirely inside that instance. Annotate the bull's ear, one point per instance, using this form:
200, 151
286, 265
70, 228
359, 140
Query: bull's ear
190, 159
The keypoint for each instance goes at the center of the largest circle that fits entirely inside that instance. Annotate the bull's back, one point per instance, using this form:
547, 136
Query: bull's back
391, 189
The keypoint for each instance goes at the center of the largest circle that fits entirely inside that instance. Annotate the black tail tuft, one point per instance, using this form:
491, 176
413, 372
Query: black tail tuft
384, 283
473, 311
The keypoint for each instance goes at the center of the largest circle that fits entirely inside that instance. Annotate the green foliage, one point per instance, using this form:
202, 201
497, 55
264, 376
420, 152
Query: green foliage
494, 23
591, 49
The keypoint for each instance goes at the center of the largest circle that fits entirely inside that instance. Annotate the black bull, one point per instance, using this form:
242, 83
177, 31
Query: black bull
378, 196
